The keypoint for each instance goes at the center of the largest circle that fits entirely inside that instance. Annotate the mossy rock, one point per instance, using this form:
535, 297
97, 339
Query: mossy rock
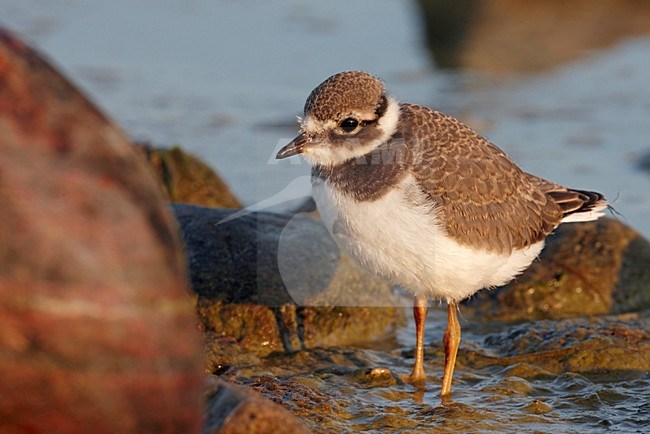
591, 268
575, 345
185, 178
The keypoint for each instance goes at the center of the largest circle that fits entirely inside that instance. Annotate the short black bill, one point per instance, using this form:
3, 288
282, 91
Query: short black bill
294, 147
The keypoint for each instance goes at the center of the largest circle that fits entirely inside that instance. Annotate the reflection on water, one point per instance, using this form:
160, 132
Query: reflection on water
507, 36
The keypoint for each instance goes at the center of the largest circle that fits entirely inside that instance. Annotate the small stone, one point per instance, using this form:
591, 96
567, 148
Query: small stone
537, 407
375, 377
525, 370
510, 385
237, 410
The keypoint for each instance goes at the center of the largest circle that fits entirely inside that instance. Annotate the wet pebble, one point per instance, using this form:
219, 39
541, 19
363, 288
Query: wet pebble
537, 407
375, 377
510, 386
525, 370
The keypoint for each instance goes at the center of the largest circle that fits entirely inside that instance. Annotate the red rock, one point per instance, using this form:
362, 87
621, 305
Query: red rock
97, 332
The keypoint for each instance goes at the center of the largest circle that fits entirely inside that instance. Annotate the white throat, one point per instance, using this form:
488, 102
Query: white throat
326, 155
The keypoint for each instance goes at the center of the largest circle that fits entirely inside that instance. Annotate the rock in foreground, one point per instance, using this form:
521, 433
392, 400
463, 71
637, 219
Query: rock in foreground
236, 410
97, 332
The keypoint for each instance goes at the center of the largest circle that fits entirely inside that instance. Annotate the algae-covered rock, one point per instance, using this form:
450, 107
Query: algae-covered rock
577, 345
185, 178
270, 282
585, 269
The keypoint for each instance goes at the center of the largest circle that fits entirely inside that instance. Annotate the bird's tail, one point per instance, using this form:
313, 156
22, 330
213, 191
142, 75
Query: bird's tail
580, 205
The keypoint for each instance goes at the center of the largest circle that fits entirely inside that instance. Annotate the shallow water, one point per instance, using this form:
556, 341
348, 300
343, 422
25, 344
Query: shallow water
361, 389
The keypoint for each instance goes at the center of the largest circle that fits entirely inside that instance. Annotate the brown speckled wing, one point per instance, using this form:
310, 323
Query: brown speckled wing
482, 198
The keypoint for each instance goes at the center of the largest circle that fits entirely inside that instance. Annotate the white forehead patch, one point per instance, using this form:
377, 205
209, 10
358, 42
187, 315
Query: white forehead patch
315, 127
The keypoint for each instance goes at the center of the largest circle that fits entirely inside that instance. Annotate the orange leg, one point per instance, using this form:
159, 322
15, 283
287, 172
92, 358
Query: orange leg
451, 341
420, 315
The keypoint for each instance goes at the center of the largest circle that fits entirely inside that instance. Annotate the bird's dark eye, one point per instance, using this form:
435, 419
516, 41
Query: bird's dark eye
348, 125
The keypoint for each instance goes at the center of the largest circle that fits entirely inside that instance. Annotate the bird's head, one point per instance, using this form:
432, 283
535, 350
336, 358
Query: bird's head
346, 116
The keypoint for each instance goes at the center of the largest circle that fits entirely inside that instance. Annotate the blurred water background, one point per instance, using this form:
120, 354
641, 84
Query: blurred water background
563, 89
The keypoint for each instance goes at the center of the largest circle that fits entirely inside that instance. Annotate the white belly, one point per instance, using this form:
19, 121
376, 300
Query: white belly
403, 243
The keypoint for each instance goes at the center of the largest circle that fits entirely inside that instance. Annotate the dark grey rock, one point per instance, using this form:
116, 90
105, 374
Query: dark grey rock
270, 282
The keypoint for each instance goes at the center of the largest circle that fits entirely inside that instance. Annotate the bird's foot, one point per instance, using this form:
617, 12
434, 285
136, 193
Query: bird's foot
446, 399
417, 378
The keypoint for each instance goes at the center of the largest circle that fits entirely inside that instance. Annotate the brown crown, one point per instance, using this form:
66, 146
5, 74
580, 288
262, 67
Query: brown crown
343, 93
